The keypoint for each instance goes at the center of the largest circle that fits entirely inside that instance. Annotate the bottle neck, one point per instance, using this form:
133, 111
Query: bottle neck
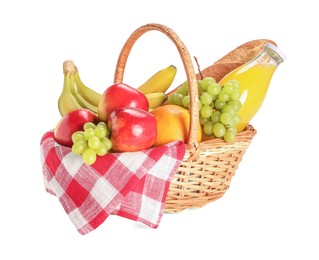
270, 55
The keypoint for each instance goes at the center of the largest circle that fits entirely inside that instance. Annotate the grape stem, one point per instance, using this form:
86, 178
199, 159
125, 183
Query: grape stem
198, 67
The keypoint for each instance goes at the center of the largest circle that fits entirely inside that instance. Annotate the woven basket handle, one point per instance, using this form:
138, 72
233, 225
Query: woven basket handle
188, 66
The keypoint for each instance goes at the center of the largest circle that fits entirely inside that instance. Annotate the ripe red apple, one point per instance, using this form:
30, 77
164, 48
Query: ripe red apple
70, 123
118, 96
132, 129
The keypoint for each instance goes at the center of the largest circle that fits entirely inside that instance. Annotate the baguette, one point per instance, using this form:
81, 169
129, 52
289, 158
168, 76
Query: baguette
237, 57
232, 60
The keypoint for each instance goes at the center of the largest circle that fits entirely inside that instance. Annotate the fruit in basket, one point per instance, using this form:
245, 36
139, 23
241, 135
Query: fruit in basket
92, 141
218, 107
88, 94
160, 81
132, 129
172, 124
67, 101
70, 123
156, 99
75, 94
120, 95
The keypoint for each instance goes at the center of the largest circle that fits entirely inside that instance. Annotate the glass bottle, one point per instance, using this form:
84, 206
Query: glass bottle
254, 77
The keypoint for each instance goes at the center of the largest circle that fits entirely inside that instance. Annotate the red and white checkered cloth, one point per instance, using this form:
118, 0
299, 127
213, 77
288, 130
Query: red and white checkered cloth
132, 185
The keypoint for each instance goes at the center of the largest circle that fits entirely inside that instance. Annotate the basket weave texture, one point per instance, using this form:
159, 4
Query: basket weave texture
208, 167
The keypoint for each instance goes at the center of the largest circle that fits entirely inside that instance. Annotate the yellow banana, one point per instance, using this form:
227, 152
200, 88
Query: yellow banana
82, 101
71, 71
156, 99
160, 81
87, 93
67, 101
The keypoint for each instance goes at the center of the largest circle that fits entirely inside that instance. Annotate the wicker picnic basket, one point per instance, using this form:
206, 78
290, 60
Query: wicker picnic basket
208, 167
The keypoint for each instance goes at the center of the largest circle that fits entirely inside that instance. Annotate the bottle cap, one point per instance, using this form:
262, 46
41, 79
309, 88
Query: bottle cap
276, 50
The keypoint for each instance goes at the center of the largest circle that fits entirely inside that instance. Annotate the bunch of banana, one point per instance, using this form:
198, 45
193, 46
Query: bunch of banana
155, 87
76, 95
160, 81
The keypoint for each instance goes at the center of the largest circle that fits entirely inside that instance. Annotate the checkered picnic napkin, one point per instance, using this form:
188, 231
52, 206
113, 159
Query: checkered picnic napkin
133, 185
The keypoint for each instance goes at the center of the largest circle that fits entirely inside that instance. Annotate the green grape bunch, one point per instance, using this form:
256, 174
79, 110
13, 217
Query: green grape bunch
218, 106
93, 141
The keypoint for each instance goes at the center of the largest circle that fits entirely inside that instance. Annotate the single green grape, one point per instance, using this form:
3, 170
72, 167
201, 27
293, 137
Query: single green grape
78, 136
88, 133
107, 131
219, 130
94, 142
223, 96
100, 131
89, 156
107, 143
186, 101
228, 88
88, 125
170, 99
226, 118
206, 111
236, 104
229, 136
215, 118
235, 95
101, 150
79, 147
232, 129
185, 86
208, 128
206, 99
178, 99
219, 104
214, 89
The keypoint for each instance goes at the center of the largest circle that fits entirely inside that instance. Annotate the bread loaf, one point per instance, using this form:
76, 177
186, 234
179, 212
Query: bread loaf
234, 59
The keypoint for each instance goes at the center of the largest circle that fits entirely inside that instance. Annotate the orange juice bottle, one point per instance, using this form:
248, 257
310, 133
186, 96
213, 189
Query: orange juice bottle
254, 78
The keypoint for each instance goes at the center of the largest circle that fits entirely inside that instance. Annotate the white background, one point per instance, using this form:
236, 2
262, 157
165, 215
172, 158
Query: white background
271, 208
